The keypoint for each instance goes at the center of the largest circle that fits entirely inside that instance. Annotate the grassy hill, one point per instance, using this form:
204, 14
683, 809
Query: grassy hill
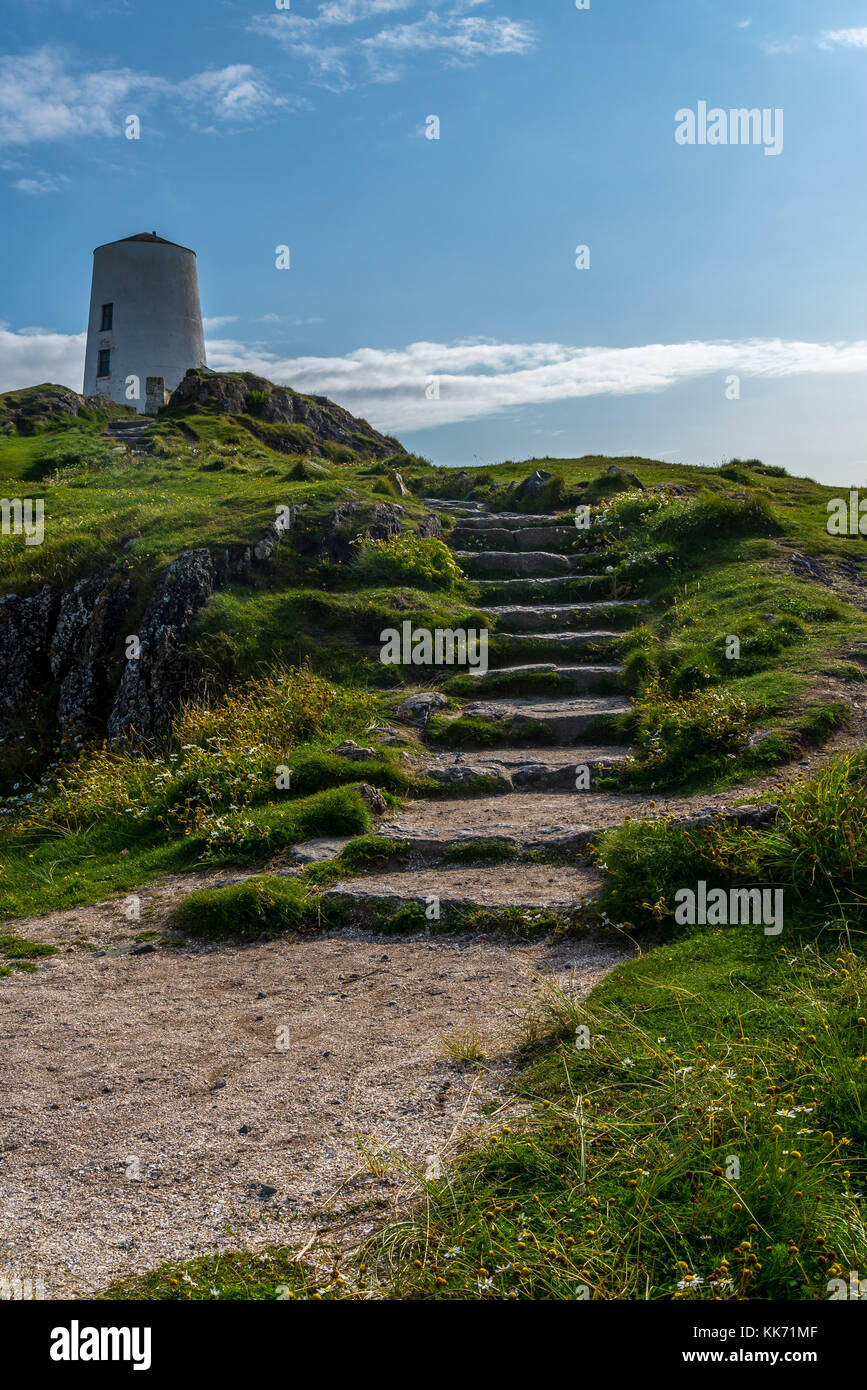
717, 1042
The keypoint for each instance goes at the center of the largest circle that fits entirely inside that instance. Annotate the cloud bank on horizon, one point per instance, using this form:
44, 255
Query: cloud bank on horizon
425, 384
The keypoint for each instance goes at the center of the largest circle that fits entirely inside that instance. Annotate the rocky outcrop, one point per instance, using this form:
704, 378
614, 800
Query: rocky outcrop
35, 409
26, 625
242, 393
418, 709
58, 648
88, 625
153, 679
387, 521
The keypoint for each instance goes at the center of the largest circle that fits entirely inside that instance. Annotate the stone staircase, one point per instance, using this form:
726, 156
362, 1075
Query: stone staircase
130, 431
547, 632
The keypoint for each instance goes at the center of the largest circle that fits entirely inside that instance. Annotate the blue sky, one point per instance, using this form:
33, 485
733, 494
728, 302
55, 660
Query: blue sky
453, 261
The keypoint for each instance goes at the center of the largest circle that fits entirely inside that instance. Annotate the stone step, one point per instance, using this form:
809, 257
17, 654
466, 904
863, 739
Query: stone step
525, 769
583, 678
508, 521
552, 589
504, 646
527, 618
555, 538
534, 888
124, 429
445, 504
558, 824
532, 563
557, 721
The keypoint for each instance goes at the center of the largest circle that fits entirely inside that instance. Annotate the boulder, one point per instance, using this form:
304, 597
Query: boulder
417, 709
372, 798
350, 749
532, 486
430, 527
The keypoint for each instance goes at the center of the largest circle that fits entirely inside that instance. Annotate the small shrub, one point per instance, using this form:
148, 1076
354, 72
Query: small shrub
685, 733
265, 903
420, 561
693, 523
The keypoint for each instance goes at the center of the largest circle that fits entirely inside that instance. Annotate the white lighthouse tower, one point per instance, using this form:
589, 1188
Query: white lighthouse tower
145, 325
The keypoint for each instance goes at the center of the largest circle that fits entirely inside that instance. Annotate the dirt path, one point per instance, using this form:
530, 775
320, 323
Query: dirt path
150, 1102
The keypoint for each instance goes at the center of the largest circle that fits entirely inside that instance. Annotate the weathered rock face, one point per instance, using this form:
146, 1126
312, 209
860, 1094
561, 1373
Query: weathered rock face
60, 645
242, 393
151, 685
26, 625
88, 625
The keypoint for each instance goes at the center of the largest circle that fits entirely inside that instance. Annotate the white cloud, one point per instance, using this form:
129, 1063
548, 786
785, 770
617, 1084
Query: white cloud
220, 321
476, 379
32, 355
844, 38
48, 95
337, 59
237, 93
460, 41
831, 39
40, 183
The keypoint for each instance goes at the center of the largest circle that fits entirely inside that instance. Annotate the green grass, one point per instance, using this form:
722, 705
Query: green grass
264, 903
620, 1182
21, 953
235, 1276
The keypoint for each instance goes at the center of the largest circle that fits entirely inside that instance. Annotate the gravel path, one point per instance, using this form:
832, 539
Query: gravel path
151, 1101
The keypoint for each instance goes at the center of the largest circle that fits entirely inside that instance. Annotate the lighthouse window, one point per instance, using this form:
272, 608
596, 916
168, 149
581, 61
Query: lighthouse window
104, 358
107, 312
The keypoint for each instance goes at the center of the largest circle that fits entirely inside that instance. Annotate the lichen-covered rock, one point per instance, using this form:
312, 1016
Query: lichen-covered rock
151, 685
347, 524
417, 709
430, 527
350, 749
387, 521
85, 695
26, 625
88, 621
372, 798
